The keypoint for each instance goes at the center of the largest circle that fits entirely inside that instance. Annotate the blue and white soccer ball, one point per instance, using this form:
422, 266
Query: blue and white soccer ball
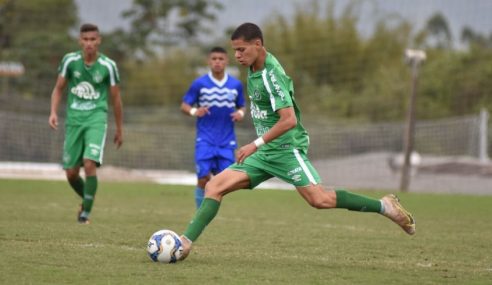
165, 246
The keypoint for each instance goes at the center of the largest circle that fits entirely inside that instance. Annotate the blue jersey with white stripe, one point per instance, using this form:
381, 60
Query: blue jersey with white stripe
222, 99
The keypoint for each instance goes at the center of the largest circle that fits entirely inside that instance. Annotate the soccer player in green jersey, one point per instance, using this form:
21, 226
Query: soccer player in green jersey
90, 76
281, 147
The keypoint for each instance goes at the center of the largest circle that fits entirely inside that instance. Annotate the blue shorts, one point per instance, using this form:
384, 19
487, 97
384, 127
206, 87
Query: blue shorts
212, 160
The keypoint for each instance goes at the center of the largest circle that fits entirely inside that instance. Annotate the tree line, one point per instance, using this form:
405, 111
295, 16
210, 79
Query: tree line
339, 71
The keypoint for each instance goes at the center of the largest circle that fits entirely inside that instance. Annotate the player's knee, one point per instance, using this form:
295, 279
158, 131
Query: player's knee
214, 190
202, 182
72, 175
317, 204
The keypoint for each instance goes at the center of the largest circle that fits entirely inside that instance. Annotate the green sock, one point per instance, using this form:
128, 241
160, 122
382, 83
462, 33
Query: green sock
203, 217
89, 194
78, 186
356, 202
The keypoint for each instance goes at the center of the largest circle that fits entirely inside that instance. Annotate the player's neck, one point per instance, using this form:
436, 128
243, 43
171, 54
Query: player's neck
218, 75
259, 63
90, 58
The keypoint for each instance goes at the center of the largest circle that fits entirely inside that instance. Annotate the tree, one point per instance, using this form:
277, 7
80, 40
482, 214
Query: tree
28, 34
158, 23
472, 38
437, 32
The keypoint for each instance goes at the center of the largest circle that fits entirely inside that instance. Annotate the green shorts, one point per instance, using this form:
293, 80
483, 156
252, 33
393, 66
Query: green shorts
292, 167
83, 142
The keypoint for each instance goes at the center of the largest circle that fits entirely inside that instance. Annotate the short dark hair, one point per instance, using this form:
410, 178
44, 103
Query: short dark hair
248, 32
88, 28
217, 49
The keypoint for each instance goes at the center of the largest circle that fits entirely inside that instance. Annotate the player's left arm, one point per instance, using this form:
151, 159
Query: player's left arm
238, 115
118, 114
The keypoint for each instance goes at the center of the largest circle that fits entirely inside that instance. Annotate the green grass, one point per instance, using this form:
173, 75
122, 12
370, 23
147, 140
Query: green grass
258, 237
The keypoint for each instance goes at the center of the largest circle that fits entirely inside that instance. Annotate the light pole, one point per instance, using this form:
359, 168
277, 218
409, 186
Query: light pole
414, 58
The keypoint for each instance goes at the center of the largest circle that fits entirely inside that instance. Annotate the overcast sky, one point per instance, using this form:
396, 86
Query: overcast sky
459, 13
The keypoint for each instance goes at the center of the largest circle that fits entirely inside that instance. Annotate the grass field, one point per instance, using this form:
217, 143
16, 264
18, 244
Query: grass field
258, 237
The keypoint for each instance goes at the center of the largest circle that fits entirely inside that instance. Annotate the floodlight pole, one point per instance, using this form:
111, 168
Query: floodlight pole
414, 58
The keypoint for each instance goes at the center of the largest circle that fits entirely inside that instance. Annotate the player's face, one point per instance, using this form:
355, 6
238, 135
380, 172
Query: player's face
90, 41
217, 62
245, 52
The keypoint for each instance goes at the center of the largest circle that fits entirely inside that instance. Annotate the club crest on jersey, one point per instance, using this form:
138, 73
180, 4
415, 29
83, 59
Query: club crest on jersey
97, 77
256, 95
76, 74
85, 90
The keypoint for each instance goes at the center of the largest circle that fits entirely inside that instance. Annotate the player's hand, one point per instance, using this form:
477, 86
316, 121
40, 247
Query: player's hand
202, 111
244, 152
53, 121
118, 139
237, 116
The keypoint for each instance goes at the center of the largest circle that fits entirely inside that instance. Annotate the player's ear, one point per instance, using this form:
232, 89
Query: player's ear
258, 43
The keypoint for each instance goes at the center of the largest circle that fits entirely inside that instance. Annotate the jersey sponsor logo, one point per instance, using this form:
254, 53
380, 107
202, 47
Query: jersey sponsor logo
276, 86
83, 105
257, 113
85, 90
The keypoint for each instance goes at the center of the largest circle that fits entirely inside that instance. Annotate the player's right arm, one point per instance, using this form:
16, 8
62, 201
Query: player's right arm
287, 121
56, 96
193, 111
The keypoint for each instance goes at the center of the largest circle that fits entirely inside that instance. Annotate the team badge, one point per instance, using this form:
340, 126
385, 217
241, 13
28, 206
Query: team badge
257, 95
97, 77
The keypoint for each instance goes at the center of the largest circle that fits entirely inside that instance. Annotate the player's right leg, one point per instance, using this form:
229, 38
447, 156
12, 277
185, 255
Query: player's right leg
72, 157
75, 181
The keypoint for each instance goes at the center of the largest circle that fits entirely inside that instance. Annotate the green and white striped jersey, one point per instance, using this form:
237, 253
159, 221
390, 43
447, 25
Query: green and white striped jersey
269, 90
88, 87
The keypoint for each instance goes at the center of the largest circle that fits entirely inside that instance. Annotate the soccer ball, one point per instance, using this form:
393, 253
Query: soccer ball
165, 246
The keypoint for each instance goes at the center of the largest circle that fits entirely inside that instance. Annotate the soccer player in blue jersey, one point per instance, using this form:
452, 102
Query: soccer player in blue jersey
217, 100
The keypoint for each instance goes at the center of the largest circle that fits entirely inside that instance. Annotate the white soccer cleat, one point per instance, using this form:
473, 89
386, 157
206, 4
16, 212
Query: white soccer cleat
395, 212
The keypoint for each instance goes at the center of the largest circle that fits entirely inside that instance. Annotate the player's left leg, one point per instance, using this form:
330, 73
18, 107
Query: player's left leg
73, 147
205, 162
90, 190
307, 184
200, 189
